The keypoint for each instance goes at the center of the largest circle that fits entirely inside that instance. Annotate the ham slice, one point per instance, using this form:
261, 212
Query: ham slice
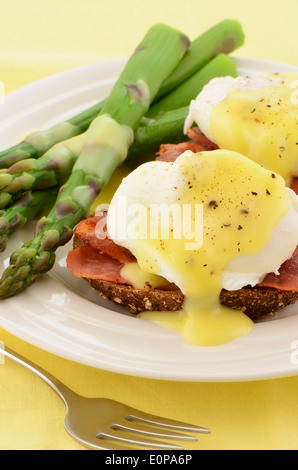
89, 263
287, 278
198, 143
99, 257
194, 133
170, 152
94, 232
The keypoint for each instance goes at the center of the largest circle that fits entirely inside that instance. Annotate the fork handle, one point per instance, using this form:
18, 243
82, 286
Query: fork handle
64, 392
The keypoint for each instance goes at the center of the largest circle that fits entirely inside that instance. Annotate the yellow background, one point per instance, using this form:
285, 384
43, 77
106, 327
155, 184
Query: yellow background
42, 37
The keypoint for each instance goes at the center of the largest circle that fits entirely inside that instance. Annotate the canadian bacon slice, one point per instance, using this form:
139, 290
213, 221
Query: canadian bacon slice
89, 263
170, 152
94, 232
198, 143
287, 279
197, 135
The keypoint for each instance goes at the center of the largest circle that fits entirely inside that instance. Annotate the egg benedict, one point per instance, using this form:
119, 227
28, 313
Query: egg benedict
256, 116
249, 229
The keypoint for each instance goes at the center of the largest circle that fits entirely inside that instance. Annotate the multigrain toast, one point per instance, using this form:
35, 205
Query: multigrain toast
256, 302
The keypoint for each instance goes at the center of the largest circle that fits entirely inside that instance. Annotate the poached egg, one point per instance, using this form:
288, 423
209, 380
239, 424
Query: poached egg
230, 222
256, 116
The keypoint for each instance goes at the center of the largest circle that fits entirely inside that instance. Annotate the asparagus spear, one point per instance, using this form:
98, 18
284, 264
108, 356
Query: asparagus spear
148, 137
55, 165
106, 145
221, 65
152, 132
51, 169
39, 142
29, 206
7, 199
225, 36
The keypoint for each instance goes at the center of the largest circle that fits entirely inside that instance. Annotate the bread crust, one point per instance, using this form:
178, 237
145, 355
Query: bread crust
255, 302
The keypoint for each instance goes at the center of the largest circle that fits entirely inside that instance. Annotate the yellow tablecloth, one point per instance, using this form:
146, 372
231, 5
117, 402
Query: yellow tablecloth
38, 38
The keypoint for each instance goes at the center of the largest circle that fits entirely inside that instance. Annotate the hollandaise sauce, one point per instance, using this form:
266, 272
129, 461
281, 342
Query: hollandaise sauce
242, 203
261, 124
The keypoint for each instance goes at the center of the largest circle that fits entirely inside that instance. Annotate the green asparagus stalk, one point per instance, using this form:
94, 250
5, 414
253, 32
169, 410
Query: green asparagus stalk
7, 199
148, 137
29, 206
106, 146
55, 166
51, 169
221, 65
39, 142
226, 37
152, 132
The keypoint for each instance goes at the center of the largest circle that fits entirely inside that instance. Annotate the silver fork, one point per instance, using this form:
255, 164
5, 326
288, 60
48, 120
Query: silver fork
100, 423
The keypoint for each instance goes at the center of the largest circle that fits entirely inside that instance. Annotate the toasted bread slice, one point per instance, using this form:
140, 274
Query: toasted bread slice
256, 302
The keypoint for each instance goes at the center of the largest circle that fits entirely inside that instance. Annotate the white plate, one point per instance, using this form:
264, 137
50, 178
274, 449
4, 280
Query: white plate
63, 315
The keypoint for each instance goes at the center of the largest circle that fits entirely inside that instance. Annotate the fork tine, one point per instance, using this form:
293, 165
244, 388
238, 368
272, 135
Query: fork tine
122, 439
166, 423
95, 443
106, 441
152, 432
